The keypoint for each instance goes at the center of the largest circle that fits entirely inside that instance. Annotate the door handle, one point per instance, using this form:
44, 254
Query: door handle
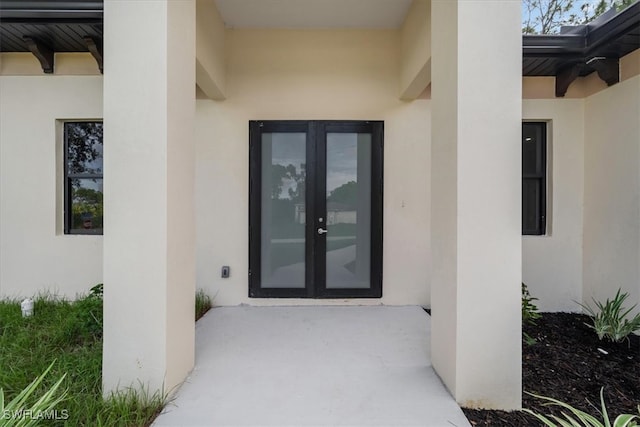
322, 231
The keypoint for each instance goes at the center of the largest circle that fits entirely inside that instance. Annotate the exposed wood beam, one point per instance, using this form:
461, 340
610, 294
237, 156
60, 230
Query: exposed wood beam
565, 77
608, 69
42, 52
95, 47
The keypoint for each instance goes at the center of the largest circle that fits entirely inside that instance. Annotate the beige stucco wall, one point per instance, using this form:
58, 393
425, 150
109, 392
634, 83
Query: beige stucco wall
210, 50
35, 255
415, 49
282, 74
630, 65
325, 75
612, 192
65, 63
592, 245
556, 265
552, 264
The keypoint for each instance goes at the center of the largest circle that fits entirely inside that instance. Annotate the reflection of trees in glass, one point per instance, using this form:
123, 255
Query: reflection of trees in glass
83, 179
346, 194
87, 207
281, 174
283, 209
84, 147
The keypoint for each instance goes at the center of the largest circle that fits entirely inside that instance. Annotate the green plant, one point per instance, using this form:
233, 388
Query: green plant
18, 413
97, 291
529, 313
610, 321
529, 309
70, 331
528, 339
578, 418
88, 315
203, 303
136, 405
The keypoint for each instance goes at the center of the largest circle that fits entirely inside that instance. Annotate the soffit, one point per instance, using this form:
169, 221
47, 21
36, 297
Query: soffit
611, 36
313, 13
58, 25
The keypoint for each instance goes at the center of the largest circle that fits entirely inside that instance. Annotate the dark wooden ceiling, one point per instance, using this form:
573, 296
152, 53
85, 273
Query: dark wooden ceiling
60, 25
59, 36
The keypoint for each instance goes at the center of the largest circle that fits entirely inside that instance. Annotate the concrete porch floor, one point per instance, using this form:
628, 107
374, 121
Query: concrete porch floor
313, 366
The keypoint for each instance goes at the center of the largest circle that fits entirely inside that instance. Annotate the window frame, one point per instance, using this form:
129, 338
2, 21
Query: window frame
541, 177
67, 183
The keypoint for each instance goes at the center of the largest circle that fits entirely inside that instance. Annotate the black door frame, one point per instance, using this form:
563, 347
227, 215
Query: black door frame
315, 201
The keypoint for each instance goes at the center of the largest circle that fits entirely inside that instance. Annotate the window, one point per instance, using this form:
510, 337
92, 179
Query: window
534, 182
83, 178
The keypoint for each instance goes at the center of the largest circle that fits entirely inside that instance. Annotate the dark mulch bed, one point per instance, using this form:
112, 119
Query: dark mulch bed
566, 364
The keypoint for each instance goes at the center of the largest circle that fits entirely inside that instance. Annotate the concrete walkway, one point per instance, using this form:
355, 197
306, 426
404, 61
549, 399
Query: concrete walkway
313, 366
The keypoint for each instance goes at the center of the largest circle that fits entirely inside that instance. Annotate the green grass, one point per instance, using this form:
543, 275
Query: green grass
71, 334
203, 303
24, 401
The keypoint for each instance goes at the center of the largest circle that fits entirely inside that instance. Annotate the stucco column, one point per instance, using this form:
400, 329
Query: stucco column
476, 206
149, 237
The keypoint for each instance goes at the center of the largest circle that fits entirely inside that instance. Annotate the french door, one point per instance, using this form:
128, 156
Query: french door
315, 209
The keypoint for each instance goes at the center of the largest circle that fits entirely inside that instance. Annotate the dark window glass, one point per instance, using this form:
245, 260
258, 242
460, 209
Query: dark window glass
534, 167
83, 178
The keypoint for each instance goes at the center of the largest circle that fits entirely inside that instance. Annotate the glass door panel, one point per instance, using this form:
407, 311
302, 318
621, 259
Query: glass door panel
315, 209
348, 203
283, 213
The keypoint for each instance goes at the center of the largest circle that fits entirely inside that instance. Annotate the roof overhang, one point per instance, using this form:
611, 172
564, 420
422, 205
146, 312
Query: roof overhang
48, 26
50, 11
581, 50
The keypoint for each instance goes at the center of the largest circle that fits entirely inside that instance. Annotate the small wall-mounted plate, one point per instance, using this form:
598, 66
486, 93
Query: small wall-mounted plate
226, 272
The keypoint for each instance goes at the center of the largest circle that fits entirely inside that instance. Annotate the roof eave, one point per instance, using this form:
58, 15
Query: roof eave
34, 11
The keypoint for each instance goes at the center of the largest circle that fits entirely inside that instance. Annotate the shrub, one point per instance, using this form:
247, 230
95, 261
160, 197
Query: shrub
89, 316
529, 313
97, 291
611, 320
529, 309
203, 303
578, 418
